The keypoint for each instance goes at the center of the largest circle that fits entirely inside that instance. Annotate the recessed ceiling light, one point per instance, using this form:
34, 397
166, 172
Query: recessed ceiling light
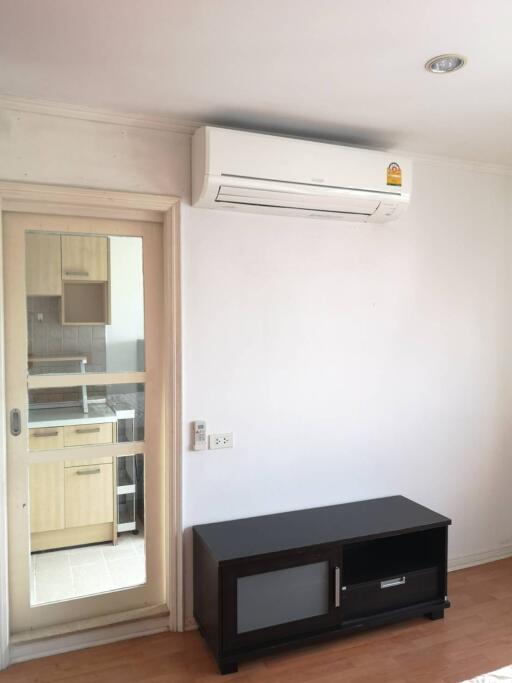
443, 64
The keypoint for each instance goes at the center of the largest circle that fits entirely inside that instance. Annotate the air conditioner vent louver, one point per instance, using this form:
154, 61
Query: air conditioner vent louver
337, 201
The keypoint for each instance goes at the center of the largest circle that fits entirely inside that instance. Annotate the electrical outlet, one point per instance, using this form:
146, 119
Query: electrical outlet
221, 440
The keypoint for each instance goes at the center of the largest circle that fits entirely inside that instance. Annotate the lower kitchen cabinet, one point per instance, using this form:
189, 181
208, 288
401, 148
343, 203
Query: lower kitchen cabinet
89, 495
268, 583
46, 496
71, 506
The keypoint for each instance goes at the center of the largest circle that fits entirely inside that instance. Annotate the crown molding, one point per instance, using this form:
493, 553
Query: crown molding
184, 127
469, 164
71, 111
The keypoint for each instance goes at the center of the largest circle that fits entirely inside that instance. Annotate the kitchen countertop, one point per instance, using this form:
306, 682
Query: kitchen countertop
57, 417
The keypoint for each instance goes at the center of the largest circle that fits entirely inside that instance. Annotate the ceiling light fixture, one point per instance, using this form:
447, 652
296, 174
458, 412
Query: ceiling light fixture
444, 64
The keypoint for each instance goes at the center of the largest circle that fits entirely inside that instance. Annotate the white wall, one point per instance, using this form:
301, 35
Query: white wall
350, 360
126, 329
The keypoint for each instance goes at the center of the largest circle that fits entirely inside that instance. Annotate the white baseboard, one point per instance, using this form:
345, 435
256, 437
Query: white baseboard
483, 557
25, 650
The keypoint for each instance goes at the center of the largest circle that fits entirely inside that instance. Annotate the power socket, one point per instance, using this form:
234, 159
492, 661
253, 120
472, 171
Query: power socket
220, 440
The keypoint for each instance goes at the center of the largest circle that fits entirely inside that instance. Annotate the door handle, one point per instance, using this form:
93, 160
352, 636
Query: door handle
40, 435
79, 273
15, 421
91, 430
95, 471
337, 584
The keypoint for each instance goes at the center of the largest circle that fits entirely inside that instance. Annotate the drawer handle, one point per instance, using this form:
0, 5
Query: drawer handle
393, 582
90, 430
39, 435
95, 471
80, 273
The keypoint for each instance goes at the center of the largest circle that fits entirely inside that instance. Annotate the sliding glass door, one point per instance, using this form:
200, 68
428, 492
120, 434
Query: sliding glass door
86, 462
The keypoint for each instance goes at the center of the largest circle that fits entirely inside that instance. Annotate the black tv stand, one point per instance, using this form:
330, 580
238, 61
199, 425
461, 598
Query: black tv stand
264, 584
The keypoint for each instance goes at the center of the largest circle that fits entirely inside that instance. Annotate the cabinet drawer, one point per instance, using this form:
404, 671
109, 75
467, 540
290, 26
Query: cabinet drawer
373, 597
89, 495
45, 438
86, 435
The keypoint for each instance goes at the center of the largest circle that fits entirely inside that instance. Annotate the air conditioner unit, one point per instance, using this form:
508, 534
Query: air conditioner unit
261, 173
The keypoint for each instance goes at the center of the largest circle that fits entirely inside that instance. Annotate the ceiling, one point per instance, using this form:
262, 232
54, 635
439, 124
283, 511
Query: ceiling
333, 69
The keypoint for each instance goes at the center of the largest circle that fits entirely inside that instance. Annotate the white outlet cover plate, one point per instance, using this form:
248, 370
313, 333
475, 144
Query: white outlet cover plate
220, 440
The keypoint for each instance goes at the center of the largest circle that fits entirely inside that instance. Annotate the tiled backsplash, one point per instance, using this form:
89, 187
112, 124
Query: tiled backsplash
49, 337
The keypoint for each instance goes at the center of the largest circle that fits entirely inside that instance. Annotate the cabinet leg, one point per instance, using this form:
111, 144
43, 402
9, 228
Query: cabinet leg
228, 668
436, 614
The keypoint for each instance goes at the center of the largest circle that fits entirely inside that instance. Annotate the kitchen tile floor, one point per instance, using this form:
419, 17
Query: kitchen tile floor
77, 572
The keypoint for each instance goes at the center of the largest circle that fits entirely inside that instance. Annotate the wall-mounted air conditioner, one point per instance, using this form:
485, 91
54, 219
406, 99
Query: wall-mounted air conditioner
262, 173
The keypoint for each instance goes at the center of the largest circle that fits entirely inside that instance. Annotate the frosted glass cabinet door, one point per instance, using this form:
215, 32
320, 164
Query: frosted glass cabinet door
270, 597
282, 596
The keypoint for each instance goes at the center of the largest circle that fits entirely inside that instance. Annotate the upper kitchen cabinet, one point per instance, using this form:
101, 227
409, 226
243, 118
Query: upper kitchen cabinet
44, 275
85, 275
85, 303
75, 268
84, 258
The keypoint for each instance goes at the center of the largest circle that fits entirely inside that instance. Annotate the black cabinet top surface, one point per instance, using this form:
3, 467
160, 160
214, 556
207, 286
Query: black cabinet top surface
361, 520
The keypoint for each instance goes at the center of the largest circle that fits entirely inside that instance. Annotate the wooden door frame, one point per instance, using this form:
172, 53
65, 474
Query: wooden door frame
59, 199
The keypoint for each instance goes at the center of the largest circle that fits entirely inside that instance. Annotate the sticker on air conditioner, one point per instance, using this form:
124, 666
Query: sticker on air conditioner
394, 174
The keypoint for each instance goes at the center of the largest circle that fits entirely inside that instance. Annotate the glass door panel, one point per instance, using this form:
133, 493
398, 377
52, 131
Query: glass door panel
86, 527
64, 417
85, 303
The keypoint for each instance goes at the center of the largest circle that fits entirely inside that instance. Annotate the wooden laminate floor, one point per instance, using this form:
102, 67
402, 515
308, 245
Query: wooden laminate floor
475, 637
